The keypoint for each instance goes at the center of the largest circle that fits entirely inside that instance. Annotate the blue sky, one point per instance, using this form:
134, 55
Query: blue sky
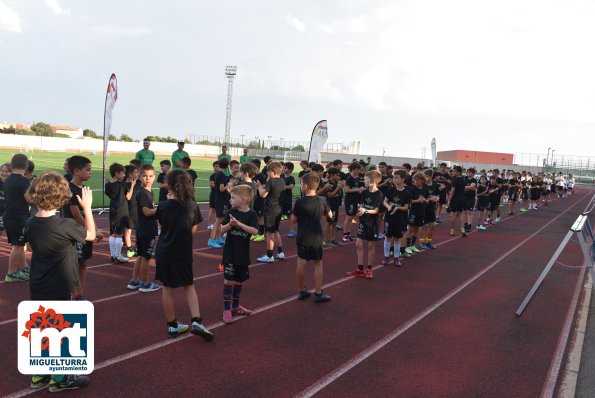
507, 76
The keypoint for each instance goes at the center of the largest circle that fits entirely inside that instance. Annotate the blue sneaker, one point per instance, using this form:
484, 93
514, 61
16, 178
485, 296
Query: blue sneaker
220, 241
148, 287
213, 244
291, 234
429, 245
423, 245
133, 285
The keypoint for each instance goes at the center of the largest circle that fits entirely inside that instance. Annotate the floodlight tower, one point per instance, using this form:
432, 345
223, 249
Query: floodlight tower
230, 73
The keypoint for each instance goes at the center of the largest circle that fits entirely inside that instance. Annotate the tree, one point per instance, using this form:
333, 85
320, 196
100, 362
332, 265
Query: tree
89, 133
42, 129
126, 138
298, 148
112, 137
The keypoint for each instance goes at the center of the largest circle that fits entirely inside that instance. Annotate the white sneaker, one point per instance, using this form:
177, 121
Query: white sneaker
497, 219
210, 227
481, 228
280, 256
265, 259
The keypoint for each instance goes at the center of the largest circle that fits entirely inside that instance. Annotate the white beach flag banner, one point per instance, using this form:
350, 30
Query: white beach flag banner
433, 152
319, 137
110, 101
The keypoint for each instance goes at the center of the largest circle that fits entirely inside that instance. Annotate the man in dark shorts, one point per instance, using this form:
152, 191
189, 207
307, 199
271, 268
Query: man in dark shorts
456, 200
470, 189
223, 183
271, 192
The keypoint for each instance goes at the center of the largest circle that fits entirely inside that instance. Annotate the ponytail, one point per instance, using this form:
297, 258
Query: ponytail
180, 183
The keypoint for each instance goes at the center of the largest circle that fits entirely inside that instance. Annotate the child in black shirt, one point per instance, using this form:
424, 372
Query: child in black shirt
432, 193
186, 163
212, 193
456, 200
165, 166
80, 167
271, 192
179, 217
482, 202
258, 207
370, 201
5, 171
396, 202
131, 172
146, 233
353, 188
239, 224
334, 196
115, 189
15, 215
54, 265
287, 196
417, 211
306, 213
223, 183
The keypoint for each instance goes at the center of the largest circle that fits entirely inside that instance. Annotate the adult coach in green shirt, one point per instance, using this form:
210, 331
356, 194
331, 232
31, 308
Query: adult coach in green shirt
145, 155
177, 155
245, 157
222, 155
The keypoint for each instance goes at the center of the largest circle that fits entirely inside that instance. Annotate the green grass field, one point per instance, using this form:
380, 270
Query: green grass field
55, 160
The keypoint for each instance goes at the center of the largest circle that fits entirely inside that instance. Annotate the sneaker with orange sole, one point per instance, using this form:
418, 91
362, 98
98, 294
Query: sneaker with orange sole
357, 272
369, 273
221, 268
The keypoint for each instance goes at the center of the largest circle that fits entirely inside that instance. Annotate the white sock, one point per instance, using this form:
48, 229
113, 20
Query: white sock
118, 247
386, 248
397, 252
112, 243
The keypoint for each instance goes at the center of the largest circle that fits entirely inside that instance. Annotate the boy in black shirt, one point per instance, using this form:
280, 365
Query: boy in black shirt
240, 223
367, 232
493, 198
482, 202
186, 163
118, 210
456, 200
396, 202
513, 192
15, 215
470, 189
431, 192
131, 172
80, 167
417, 211
333, 197
306, 213
259, 202
353, 188
223, 183
212, 193
146, 233
442, 177
287, 196
271, 192
54, 268
165, 166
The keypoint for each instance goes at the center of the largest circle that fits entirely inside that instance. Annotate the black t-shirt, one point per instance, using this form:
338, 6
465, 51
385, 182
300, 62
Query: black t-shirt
481, 189
68, 177
162, 191
2, 199
431, 190
442, 178
399, 198
15, 187
494, 191
335, 201
54, 262
352, 183
302, 173
458, 184
76, 190
146, 227
388, 180
212, 179
237, 245
514, 186
417, 193
175, 242
132, 208
259, 201
468, 182
309, 210
534, 187
221, 198
193, 175
116, 191
370, 201
274, 187
288, 193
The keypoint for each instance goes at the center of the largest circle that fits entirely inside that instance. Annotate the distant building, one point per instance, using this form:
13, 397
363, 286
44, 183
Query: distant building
460, 155
72, 132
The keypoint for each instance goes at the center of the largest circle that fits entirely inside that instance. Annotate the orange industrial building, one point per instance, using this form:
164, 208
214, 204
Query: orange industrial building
460, 155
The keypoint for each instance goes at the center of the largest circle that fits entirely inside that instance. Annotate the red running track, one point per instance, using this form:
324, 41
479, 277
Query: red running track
443, 325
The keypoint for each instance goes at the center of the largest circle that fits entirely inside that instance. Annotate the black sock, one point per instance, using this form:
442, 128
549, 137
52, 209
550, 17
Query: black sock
261, 229
196, 319
360, 267
280, 249
269, 253
402, 250
408, 242
413, 239
369, 267
173, 324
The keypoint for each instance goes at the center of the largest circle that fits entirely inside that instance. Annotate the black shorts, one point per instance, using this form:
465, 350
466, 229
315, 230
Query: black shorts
144, 245
132, 221
442, 197
174, 275
84, 251
367, 232
334, 217
482, 203
2, 222
457, 204
309, 253
395, 228
286, 207
271, 223
221, 209
351, 208
212, 204
534, 195
14, 231
259, 207
430, 216
236, 273
513, 196
416, 219
469, 203
524, 194
116, 226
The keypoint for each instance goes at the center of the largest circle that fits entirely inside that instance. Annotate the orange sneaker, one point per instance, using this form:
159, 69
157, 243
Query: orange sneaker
369, 273
221, 268
357, 272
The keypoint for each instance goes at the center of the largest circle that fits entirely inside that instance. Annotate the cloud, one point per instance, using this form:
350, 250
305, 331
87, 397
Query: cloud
57, 8
326, 28
9, 19
296, 23
113, 31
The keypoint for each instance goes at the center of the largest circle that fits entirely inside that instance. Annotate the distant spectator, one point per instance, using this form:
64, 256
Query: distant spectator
177, 156
145, 155
245, 157
224, 153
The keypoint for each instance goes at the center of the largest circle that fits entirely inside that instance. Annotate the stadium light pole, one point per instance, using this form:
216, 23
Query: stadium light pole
548, 156
230, 73
553, 156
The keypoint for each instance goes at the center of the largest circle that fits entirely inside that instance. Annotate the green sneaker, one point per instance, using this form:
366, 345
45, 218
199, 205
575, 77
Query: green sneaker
40, 381
25, 271
16, 277
409, 250
130, 253
69, 382
415, 249
523, 210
